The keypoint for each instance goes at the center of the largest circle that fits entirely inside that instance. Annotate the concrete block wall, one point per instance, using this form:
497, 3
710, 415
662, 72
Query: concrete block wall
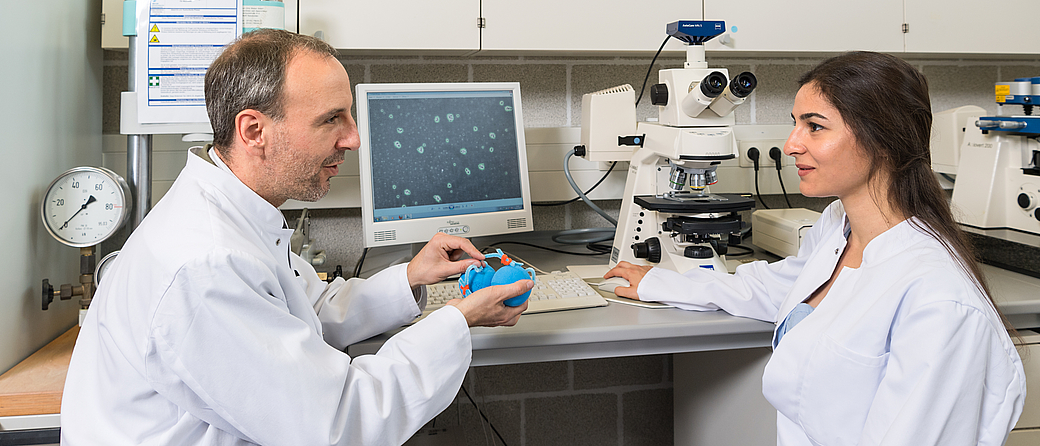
622, 401
588, 402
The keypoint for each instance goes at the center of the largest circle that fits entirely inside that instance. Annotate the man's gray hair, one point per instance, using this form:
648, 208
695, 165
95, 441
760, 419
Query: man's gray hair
250, 74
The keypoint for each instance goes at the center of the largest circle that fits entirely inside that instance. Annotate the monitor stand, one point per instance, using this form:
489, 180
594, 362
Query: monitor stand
406, 253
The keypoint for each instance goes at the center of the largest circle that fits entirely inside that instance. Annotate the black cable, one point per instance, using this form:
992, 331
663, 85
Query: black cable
754, 153
549, 249
781, 178
759, 194
582, 236
357, 269
599, 247
776, 154
747, 251
572, 200
650, 70
481, 412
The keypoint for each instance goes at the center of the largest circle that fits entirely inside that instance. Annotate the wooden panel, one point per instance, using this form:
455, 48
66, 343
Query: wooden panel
34, 386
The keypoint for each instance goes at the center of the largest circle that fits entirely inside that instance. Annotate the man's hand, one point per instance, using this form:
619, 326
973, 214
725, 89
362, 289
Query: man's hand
630, 272
439, 259
485, 307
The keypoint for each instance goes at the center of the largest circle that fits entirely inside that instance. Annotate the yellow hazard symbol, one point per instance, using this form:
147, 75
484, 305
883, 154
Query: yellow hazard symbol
155, 29
155, 39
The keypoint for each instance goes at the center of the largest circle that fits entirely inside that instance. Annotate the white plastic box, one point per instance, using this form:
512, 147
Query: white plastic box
780, 231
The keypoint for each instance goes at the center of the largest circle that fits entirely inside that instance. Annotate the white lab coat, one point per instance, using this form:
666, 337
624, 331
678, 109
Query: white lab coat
202, 334
904, 350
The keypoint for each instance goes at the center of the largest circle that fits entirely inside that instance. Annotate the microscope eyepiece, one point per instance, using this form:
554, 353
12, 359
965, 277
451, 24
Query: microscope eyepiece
713, 84
739, 89
743, 84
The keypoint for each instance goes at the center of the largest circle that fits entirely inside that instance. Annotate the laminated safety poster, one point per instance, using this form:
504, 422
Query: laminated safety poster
177, 41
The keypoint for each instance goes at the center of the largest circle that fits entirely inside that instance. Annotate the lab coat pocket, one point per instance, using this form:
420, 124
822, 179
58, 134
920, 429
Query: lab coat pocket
837, 391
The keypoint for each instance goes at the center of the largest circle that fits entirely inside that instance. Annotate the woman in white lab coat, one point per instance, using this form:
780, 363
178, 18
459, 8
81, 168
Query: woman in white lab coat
886, 330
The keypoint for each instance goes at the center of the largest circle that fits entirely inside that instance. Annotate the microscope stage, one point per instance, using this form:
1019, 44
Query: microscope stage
728, 203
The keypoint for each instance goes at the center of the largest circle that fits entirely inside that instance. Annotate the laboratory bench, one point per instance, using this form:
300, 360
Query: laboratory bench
30, 392
627, 330
728, 351
588, 333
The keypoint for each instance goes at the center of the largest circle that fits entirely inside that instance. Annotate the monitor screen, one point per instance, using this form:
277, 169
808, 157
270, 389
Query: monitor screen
442, 158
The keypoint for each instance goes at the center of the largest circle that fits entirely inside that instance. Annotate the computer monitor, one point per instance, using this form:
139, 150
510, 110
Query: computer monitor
442, 157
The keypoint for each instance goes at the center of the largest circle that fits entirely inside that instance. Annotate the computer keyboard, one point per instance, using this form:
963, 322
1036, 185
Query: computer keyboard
552, 292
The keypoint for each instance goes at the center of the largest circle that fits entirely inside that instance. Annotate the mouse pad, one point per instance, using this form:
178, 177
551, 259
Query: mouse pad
594, 274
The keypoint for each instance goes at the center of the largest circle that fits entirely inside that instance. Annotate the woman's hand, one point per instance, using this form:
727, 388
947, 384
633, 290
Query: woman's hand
632, 273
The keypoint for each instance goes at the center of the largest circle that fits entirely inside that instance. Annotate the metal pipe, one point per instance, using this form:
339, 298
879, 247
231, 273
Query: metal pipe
138, 154
139, 174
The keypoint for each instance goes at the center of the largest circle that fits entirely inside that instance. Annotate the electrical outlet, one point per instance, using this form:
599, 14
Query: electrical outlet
763, 147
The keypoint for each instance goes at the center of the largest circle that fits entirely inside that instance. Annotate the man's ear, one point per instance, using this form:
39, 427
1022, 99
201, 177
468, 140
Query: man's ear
251, 129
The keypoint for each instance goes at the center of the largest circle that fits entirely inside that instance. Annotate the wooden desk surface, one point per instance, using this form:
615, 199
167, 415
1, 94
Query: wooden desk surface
34, 386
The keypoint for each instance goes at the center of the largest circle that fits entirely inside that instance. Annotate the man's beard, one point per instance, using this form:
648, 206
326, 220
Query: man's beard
302, 186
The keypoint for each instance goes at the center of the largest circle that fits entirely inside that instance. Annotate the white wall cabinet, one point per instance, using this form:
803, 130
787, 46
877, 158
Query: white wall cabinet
112, 23
972, 27
807, 26
569, 26
960, 27
445, 27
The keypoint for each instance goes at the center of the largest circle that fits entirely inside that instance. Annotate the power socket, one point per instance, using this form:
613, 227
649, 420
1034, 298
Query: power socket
763, 147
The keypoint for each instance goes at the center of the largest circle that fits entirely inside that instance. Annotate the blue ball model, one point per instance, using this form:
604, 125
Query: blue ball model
479, 277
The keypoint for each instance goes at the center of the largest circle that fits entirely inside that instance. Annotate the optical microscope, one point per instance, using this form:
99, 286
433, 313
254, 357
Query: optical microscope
668, 216
998, 174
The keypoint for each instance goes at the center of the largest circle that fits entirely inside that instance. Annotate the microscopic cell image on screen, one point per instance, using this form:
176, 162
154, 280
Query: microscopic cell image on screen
434, 149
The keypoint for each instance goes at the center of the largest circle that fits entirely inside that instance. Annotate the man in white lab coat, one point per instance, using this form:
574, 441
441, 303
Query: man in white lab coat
208, 330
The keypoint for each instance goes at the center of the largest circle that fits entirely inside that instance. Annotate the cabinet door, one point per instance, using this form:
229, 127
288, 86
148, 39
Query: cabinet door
807, 26
573, 26
112, 26
449, 27
962, 26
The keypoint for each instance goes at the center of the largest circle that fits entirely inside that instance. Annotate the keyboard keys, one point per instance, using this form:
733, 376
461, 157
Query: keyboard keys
553, 291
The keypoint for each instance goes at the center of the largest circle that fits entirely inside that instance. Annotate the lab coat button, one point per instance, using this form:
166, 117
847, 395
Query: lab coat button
279, 241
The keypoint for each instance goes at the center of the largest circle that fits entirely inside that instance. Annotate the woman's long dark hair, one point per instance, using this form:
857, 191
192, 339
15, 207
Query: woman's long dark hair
884, 101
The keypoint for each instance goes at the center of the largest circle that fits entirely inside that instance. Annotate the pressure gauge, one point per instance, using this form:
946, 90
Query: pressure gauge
103, 267
85, 205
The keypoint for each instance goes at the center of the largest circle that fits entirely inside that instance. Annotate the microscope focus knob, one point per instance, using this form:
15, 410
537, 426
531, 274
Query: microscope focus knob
649, 250
1026, 201
698, 252
659, 94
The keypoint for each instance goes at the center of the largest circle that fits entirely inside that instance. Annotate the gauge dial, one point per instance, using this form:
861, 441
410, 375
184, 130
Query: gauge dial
85, 205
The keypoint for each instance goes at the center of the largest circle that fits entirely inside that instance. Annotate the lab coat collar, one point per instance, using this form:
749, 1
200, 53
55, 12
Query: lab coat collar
895, 241
892, 242
820, 265
263, 216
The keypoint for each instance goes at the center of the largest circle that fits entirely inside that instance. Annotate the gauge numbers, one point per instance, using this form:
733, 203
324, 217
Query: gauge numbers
85, 205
